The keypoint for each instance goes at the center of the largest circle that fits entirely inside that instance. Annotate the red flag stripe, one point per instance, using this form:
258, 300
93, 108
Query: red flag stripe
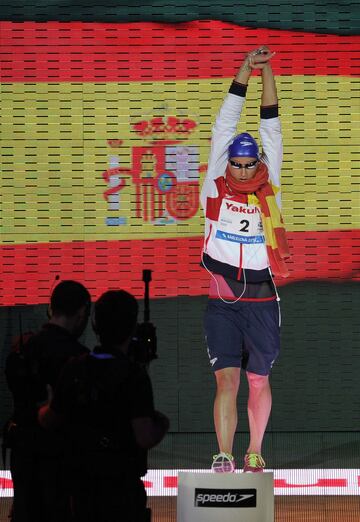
29, 270
88, 52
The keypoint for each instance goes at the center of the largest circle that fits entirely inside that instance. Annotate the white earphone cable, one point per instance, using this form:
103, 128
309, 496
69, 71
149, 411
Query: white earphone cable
277, 295
217, 284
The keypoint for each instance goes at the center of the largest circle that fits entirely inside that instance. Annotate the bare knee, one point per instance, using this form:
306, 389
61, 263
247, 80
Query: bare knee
257, 381
228, 380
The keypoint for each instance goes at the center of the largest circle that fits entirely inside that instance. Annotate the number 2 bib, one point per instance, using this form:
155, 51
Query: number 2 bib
240, 223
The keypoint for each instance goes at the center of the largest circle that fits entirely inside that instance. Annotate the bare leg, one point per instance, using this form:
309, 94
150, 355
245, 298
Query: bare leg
225, 408
259, 407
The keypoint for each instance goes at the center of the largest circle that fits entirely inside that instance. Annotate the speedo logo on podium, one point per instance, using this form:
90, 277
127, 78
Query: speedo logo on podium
236, 498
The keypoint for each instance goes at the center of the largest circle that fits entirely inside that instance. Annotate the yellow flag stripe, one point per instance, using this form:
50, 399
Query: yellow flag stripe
58, 141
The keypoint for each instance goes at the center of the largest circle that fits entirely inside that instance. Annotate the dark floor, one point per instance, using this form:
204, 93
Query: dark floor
319, 450
280, 450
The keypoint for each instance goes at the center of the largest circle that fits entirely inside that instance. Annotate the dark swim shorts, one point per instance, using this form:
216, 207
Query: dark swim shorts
243, 335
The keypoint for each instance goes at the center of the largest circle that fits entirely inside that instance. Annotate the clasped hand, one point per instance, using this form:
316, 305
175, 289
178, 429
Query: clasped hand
259, 58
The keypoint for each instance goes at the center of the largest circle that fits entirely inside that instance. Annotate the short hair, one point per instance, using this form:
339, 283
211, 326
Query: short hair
68, 298
115, 316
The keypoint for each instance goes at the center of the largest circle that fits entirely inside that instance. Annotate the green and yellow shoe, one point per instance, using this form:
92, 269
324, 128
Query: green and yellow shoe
253, 463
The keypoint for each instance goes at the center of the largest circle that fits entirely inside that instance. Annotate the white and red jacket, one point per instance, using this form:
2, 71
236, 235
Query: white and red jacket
226, 251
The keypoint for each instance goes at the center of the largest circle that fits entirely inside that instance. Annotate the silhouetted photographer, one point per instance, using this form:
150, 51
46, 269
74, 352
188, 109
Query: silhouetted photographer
32, 369
104, 401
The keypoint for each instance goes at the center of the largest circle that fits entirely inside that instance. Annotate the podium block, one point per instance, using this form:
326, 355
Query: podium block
225, 497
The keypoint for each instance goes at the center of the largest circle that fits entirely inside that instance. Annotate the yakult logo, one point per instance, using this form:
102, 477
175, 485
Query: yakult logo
241, 209
236, 498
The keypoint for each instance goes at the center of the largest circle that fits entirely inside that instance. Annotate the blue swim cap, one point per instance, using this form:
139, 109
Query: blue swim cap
243, 145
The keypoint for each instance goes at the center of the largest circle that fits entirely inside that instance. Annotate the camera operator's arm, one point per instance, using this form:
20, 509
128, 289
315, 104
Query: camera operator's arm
52, 415
48, 418
149, 426
149, 431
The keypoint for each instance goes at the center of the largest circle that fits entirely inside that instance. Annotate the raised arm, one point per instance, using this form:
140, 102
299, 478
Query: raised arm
269, 94
270, 128
222, 135
228, 118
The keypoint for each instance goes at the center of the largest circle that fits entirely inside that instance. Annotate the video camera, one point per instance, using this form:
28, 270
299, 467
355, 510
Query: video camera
143, 346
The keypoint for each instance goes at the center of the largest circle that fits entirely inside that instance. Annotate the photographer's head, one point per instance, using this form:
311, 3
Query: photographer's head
115, 319
70, 306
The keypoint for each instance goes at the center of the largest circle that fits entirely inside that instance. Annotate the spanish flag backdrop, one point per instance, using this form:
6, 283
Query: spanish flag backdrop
106, 115
105, 132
